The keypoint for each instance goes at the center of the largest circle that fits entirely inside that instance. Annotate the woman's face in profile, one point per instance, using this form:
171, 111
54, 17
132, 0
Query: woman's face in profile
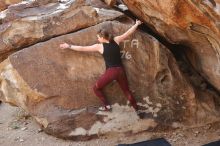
100, 39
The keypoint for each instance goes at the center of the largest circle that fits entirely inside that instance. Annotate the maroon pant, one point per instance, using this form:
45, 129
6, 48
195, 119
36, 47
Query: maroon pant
118, 74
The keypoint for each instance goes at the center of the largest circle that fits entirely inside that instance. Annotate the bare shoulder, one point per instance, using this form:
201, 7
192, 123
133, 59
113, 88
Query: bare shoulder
100, 47
116, 39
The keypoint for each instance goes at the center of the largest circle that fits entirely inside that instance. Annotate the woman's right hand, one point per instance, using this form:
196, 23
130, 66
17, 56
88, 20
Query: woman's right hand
138, 22
64, 46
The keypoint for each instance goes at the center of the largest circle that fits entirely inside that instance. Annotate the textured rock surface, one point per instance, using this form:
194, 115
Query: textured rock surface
110, 2
193, 23
27, 23
55, 86
5, 3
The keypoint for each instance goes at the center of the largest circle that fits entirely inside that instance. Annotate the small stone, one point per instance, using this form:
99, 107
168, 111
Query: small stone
209, 126
40, 130
181, 97
203, 86
17, 138
42, 138
158, 105
15, 127
176, 125
157, 110
21, 140
155, 115
24, 128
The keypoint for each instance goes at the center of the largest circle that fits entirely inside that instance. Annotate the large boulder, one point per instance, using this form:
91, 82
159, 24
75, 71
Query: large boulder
27, 23
55, 86
194, 24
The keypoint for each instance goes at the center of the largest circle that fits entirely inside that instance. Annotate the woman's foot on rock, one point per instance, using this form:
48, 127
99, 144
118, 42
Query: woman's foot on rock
105, 108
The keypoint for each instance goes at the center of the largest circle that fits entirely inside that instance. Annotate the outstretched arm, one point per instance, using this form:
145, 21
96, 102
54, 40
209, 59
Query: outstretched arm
131, 30
92, 48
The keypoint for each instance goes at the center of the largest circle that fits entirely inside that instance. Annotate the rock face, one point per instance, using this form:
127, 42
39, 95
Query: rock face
110, 2
194, 24
55, 86
5, 3
27, 23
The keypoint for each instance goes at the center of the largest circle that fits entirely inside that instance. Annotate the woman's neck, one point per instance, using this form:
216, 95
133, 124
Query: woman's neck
106, 41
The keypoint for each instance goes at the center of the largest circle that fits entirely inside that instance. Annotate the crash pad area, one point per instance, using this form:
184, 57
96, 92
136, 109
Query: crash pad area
216, 143
154, 142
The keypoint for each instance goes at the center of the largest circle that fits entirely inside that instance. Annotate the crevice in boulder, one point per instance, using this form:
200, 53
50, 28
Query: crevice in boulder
200, 84
55, 36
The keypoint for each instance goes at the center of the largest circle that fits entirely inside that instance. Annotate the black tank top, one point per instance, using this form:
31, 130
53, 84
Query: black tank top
111, 54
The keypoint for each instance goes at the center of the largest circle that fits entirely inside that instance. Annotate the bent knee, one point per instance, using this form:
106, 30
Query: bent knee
96, 87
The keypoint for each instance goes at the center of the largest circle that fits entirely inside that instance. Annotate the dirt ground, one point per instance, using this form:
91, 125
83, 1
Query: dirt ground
18, 129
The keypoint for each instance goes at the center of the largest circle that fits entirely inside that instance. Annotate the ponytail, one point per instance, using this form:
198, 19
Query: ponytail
103, 33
